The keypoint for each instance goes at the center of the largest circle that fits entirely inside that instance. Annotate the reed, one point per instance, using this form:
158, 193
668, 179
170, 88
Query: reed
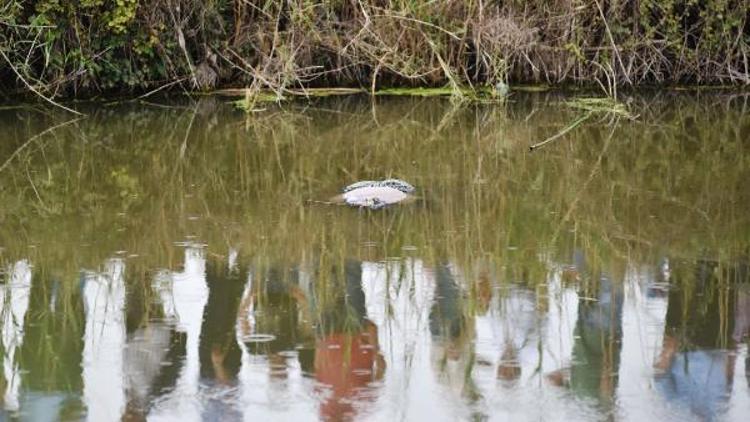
485, 198
87, 47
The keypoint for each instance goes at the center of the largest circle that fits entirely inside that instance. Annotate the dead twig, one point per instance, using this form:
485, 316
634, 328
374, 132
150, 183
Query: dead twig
34, 138
167, 85
32, 89
612, 41
570, 127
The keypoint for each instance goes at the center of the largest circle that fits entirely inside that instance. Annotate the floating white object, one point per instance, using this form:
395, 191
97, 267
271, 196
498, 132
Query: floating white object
374, 196
390, 183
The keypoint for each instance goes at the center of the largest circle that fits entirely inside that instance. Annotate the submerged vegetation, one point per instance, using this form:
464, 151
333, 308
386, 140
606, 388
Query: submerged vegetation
627, 188
178, 239
58, 48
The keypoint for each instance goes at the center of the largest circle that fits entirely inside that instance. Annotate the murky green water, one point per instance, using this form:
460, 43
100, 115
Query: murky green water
161, 261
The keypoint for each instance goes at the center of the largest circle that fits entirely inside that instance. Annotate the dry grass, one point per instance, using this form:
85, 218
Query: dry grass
62, 49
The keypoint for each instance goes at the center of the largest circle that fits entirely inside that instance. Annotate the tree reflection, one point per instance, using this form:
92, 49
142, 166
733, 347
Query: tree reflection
104, 341
51, 354
207, 341
598, 338
347, 353
219, 352
324, 320
452, 330
706, 321
276, 326
155, 350
184, 296
14, 302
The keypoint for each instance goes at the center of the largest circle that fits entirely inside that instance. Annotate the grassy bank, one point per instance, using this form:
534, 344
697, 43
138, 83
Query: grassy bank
85, 47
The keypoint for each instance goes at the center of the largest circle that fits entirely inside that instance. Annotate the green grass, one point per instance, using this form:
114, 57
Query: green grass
67, 49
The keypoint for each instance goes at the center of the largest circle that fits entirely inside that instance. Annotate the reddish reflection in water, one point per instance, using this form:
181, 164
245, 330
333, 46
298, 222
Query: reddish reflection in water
347, 364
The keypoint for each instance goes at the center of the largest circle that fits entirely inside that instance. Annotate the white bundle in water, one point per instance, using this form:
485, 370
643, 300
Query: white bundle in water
376, 194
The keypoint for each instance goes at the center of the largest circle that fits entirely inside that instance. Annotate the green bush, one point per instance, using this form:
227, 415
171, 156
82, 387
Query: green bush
91, 46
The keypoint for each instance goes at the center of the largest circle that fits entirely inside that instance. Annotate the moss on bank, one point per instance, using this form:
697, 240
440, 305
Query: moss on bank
251, 98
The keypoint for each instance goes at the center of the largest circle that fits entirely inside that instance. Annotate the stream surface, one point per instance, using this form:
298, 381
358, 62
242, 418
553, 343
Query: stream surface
166, 260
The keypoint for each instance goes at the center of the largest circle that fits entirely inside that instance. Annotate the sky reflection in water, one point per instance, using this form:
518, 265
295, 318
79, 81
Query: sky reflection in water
232, 344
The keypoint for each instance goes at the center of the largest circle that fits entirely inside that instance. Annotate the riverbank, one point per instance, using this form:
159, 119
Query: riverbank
59, 49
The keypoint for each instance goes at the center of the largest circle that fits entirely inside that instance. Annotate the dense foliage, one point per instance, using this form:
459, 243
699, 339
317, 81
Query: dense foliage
87, 46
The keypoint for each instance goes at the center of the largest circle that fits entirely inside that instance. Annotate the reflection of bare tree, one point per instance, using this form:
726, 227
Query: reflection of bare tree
340, 351
597, 338
14, 302
453, 333
184, 295
707, 318
194, 350
219, 352
742, 323
596, 352
271, 332
51, 353
104, 341
519, 325
347, 353
269, 320
152, 362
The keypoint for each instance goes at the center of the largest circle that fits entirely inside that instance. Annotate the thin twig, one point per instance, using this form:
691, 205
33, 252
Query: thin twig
15, 25
33, 138
594, 169
154, 91
562, 132
181, 43
33, 186
183, 147
420, 22
49, 100
612, 41
316, 202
